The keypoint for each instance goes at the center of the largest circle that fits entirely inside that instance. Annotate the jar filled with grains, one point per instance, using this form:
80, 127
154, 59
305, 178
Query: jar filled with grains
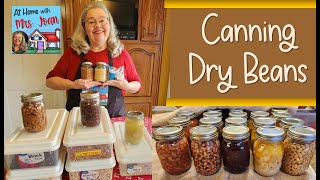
236, 149
173, 149
299, 147
100, 72
268, 150
33, 112
205, 148
90, 108
87, 71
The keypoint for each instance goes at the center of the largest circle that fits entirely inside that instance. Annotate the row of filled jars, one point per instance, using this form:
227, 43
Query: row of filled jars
101, 72
270, 152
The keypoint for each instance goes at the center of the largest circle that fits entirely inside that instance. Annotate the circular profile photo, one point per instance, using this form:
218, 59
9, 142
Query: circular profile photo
19, 42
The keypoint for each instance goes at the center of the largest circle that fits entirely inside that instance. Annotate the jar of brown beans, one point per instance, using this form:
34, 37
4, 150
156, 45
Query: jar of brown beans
191, 115
173, 149
205, 148
185, 123
90, 108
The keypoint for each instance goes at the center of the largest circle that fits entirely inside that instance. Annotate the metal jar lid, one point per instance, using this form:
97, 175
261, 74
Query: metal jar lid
87, 63
236, 121
280, 110
290, 121
238, 114
101, 64
213, 121
235, 132
189, 114
212, 114
255, 114
272, 133
31, 97
168, 132
302, 133
281, 115
135, 115
203, 132
236, 110
264, 121
180, 121
214, 110
89, 94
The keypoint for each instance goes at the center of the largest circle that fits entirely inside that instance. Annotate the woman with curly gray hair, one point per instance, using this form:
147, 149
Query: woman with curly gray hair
95, 40
19, 44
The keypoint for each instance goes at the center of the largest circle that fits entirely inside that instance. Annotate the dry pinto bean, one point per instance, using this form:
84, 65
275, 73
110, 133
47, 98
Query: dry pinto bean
174, 156
90, 152
34, 116
297, 157
207, 156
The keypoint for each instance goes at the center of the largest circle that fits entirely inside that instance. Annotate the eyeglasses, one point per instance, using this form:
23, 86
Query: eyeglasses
102, 21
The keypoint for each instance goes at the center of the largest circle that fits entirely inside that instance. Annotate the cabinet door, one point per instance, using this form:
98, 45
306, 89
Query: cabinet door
146, 58
152, 18
71, 11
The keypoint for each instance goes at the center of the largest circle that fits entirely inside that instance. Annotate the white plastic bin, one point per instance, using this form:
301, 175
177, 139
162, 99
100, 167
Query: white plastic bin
133, 159
89, 143
35, 150
43, 173
99, 169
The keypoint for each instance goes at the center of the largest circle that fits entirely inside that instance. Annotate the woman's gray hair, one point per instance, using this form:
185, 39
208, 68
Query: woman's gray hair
24, 45
80, 41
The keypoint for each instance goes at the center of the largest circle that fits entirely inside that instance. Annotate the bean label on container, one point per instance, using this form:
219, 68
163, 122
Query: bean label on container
88, 153
88, 175
31, 158
133, 168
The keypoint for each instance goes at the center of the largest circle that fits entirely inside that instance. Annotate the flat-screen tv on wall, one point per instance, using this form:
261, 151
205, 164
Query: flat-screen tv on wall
125, 16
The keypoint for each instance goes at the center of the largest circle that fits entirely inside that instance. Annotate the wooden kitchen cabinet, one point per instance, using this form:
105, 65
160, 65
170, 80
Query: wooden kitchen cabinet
146, 50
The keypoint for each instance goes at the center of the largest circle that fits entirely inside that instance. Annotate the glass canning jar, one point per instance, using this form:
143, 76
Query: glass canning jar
173, 149
299, 147
236, 121
134, 127
238, 114
33, 111
236, 110
87, 71
236, 149
90, 108
215, 122
260, 122
100, 72
212, 114
279, 110
280, 115
205, 148
256, 114
189, 114
268, 150
285, 123
185, 123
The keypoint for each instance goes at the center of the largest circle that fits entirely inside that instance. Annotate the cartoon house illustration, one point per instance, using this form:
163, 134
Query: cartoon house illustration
43, 40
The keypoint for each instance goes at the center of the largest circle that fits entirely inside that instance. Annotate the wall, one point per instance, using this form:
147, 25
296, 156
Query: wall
25, 73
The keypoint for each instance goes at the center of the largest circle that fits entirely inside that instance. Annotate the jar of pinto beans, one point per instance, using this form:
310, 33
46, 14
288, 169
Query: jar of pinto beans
173, 149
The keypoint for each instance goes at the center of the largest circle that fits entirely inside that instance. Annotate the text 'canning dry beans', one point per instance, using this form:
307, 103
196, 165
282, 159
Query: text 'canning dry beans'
173, 149
33, 112
205, 148
268, 150
235, 149
299, 147
134, 127
90, 108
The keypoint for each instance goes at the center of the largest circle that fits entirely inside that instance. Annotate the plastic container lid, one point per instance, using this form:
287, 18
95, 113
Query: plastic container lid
39, 173
128, 153
78, 135
22, 142
90, 165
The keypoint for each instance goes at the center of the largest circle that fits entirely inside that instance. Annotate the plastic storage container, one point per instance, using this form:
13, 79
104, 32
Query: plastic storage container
205, 148
44, 173
87, 143
99, 169
34, 150
173, 149
299, 147
133, 159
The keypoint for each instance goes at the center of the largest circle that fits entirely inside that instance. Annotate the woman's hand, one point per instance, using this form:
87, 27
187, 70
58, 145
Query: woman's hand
120, 83
84, 84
